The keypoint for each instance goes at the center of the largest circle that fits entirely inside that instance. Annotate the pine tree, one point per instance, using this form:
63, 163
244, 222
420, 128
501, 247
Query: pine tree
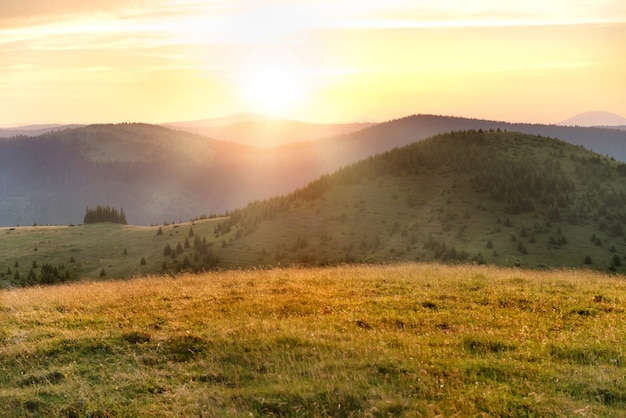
616, 260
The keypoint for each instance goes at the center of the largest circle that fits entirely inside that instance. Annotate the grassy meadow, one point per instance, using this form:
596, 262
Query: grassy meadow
86, 250
402, 340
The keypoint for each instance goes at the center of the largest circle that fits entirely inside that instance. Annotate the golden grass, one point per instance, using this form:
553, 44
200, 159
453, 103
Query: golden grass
412, 339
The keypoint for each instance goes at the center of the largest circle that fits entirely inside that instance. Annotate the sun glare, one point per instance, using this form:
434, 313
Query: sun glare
273, 90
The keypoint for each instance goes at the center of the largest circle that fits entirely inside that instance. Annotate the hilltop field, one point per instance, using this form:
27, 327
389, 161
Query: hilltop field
403, 340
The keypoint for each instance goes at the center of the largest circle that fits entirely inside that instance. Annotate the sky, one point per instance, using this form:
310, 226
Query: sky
94, 61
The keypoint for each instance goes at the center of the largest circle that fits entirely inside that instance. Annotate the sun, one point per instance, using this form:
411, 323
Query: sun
273, 89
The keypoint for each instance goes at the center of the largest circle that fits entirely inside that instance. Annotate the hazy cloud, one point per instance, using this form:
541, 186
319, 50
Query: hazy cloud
37, 9
198, 47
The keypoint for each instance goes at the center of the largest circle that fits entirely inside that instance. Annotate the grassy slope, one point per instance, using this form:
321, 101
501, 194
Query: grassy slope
392, 216
346, 341
94, 247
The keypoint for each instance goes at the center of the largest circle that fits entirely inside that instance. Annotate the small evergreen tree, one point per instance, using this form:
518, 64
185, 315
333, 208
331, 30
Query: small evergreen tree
616, 260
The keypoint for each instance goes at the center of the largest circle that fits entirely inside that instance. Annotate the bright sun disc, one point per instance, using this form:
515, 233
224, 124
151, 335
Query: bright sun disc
273, 90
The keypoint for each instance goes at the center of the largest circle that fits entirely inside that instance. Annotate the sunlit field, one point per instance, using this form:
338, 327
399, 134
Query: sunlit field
413, 340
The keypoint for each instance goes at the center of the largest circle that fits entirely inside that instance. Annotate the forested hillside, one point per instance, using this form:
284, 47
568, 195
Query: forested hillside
486, 197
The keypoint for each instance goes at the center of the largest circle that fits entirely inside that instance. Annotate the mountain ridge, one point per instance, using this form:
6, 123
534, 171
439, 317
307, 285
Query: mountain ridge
158, 174
259, 130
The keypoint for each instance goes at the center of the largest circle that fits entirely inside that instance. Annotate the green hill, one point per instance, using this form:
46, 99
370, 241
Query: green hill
493, 197
499, 198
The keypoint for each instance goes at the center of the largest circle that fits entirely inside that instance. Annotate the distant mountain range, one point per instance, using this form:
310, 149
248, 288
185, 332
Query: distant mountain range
243, 128
157, 174
33, 130
598, 119
261, 131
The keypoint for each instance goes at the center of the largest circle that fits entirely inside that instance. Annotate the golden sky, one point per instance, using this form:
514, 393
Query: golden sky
68, 61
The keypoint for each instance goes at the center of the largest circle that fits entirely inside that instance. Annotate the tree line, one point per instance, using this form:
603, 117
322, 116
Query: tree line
104, 214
